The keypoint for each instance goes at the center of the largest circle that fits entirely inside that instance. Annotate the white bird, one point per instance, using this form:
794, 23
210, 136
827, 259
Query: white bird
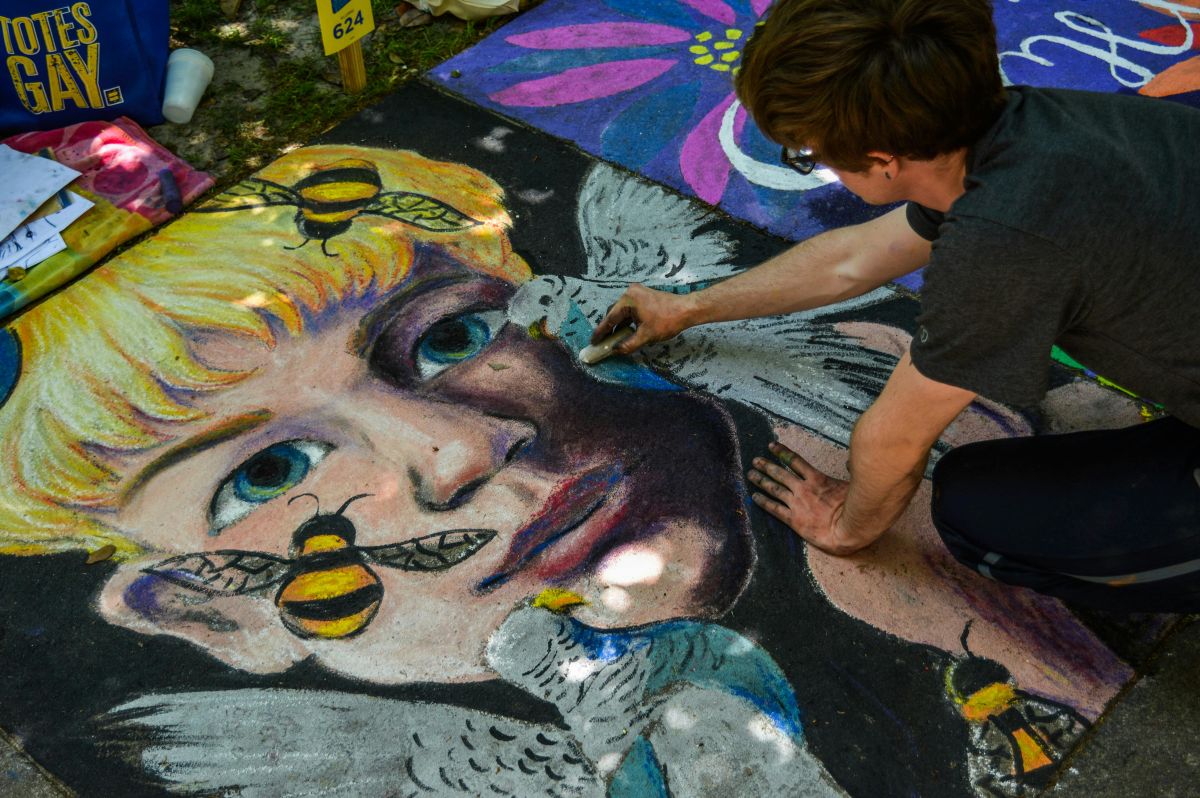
679, 708
796, 367
694, 703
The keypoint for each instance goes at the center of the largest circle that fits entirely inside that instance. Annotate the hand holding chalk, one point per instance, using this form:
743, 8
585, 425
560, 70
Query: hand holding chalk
594, 353
658, 315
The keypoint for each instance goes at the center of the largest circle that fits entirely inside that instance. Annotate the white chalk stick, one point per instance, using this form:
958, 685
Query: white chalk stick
593, 354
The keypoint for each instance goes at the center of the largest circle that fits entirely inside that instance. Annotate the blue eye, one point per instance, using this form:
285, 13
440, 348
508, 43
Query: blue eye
265, 476
454, 340
270, 473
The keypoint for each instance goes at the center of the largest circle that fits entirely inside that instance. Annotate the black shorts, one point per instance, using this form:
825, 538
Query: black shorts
1107, 518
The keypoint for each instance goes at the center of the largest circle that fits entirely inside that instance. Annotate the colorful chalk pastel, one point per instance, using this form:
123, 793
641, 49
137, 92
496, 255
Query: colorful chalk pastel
593, 354
172, 199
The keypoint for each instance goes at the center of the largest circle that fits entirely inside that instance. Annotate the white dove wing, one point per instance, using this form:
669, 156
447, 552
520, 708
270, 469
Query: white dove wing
270, 743
633, 230
802, 372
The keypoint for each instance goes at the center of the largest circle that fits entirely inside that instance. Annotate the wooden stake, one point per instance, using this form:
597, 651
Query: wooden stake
354, 70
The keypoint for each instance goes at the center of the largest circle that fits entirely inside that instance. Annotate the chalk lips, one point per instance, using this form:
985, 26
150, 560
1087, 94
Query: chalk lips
568, 507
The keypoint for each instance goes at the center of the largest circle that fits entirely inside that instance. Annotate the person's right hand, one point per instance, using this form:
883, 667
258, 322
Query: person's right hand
657, 315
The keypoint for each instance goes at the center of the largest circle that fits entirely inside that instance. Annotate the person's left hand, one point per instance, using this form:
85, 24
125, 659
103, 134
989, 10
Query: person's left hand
808, 501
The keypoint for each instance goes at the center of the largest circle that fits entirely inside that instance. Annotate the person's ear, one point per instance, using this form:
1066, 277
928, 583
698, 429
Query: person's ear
885, 163
242, 631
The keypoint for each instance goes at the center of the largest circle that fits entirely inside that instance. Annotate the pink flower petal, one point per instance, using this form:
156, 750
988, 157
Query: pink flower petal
760, 6
583, 83
599, 34
716, 9
701, 161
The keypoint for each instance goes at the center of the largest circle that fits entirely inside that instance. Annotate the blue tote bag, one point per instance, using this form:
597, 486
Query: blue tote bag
67, 62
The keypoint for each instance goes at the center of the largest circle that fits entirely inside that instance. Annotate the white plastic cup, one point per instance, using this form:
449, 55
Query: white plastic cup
188, 75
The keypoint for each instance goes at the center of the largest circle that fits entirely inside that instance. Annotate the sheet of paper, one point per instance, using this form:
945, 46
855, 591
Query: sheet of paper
18, 248
32, 257
63, 210
29, 180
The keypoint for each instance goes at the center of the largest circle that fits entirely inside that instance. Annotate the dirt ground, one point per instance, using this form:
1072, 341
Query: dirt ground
273, 88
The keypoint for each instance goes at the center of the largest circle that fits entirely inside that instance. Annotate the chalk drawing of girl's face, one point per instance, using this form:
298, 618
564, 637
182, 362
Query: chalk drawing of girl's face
447, 417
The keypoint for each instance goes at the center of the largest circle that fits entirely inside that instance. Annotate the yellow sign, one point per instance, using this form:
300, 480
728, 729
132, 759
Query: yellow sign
343, 22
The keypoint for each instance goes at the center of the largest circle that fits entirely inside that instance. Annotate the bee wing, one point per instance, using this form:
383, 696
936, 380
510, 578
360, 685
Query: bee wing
435, 552
420, 211
1059, 724
222, 573
253, 192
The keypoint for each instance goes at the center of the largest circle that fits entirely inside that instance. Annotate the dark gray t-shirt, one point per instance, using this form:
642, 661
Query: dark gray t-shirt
1080, 226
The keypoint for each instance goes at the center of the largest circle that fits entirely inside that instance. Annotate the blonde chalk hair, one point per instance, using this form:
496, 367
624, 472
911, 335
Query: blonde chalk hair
107, 367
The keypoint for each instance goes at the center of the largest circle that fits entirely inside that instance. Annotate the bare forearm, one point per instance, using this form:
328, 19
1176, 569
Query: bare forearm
808, 275
828, 268
888, 452
885, 472
890, 446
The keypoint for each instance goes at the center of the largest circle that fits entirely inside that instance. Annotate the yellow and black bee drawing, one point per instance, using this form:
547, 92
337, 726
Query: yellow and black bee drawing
331, 197
1017, 739
327, 590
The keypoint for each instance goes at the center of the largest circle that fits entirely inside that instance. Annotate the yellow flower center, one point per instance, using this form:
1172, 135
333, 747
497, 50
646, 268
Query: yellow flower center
716, 53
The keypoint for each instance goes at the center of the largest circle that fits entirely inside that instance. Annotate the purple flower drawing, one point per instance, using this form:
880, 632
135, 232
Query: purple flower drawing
648, 84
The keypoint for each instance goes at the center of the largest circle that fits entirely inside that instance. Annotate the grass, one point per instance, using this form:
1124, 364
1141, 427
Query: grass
299, 95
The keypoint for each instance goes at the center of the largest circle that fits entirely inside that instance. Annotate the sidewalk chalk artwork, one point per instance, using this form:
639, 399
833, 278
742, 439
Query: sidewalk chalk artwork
647, 84
364, 522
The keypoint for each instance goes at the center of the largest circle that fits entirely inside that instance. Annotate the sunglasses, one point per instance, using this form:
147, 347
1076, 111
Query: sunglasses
803, 161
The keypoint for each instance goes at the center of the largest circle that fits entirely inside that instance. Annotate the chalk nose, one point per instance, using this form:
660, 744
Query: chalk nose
442, 454
453, 475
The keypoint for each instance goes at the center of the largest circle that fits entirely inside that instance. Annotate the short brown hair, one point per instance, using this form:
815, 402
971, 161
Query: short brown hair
917, 78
